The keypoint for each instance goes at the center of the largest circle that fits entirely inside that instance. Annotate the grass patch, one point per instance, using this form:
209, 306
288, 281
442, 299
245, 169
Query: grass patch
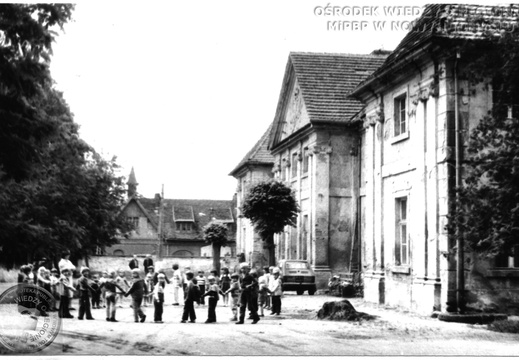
505, 326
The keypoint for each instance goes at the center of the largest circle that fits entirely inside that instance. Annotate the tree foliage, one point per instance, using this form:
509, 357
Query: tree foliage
270, 206
486, 214
215, 233
56, 192
26, 35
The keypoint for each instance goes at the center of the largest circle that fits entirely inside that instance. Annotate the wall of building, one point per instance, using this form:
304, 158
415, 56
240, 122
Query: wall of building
103, 263
327, 196
248, 241
420, 167
411, 167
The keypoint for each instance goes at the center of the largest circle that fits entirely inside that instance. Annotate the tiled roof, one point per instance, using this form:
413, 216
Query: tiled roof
451, 21
326, 80
259, 154
183, 213
200, 211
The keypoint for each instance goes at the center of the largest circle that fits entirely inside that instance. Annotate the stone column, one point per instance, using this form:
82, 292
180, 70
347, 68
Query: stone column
321, 194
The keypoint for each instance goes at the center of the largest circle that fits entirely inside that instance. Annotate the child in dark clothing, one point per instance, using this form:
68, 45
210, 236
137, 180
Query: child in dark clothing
212, 293
225, 284
200, 280
84, 295
137, 291
96, 292
191, 295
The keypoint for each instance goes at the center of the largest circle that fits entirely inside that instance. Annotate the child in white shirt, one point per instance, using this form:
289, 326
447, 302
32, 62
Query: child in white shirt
275, 289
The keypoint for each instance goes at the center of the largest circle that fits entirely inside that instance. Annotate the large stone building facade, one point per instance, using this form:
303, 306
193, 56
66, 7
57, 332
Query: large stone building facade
419, 113
372, 146
315, 153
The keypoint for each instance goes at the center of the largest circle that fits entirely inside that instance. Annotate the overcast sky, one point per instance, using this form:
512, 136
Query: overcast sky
182, 90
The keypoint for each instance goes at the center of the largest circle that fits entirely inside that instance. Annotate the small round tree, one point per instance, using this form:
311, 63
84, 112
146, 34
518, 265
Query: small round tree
215, 233
270, 206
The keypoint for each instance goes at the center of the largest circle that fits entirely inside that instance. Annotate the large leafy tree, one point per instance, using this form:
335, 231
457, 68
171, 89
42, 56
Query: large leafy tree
71, 198
56, 192
270, 206
27, 32
486, 214
215, 233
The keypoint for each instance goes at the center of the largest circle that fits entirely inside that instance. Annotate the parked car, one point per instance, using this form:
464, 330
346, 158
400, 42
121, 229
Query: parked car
297, 275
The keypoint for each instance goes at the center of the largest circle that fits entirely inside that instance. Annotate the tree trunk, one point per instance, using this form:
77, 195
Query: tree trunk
272, 250
216, 258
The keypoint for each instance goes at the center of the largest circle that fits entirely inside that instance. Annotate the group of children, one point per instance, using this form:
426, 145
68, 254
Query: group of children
238, 291
244, 291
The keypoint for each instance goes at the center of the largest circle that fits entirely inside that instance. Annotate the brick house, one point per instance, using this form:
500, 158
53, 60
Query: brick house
180, 221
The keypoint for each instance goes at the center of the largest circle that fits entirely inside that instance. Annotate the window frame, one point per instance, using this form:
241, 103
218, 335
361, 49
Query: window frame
402, 249
399, 98
306, 161
293, 165
135, 221
183, 226
512, 261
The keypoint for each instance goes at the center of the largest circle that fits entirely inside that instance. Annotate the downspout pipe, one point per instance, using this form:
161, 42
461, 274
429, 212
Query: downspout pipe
460, 270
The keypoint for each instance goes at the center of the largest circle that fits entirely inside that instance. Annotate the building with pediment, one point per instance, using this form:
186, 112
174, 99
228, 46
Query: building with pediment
179, 222
315, 147
373, 147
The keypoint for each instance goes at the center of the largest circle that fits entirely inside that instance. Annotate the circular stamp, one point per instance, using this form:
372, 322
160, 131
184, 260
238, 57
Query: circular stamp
27, 323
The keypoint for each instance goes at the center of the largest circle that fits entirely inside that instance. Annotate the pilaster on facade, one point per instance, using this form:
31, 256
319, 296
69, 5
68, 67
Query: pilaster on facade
320, 231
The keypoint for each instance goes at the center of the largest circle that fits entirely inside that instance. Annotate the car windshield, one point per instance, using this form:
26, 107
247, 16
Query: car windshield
296, 265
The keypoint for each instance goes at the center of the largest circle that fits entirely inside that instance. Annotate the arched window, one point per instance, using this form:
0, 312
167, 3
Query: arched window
118, 253
182, 253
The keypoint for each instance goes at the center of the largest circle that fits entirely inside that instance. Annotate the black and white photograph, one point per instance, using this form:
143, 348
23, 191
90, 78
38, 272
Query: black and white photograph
245, 178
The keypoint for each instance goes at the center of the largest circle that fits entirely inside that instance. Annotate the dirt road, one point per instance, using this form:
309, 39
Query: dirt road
295, 332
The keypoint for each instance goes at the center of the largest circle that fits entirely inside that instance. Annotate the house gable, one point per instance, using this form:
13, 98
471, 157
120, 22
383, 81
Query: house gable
259, 155
315, 90
295, 115
145, 225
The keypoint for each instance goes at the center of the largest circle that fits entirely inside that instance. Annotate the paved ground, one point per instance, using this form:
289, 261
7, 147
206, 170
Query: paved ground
295, 332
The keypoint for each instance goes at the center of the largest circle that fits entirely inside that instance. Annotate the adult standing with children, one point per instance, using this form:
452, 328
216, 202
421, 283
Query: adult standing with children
148, 261
249, 295
134, 263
